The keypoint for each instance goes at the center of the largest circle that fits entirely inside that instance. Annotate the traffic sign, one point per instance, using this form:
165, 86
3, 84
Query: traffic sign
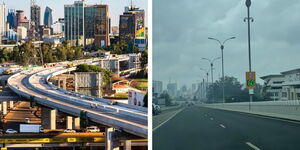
250, 80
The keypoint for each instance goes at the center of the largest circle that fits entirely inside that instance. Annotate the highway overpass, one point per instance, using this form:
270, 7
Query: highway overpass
33, 85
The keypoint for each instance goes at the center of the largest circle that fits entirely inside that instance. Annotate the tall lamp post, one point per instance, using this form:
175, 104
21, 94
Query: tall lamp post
211, 61
248, 19
222, 48
206, 87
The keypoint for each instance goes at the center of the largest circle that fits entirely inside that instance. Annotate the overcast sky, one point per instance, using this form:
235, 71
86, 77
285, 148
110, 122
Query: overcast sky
116, 7
181, 29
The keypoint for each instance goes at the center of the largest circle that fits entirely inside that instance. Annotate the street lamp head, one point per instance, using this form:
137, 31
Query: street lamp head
233, 37
210, 38
248, 3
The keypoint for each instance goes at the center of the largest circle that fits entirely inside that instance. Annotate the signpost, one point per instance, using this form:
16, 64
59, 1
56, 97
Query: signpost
250, 80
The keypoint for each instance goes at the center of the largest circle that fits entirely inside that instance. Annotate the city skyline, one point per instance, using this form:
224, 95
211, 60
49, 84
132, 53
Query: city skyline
115, 8
184, 41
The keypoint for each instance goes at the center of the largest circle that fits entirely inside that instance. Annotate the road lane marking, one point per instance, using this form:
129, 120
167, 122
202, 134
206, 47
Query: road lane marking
222, 126
168, 119
252, 146
205, 115
211, 118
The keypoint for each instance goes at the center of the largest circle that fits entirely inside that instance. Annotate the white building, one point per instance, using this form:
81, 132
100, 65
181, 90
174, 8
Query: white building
2, 20
21, 32
58, 27
284, 86
136, 97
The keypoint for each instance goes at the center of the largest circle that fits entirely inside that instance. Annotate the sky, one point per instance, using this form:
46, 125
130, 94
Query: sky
116, 7
181, 30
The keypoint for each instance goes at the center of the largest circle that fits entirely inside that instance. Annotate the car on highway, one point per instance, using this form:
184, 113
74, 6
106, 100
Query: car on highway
111, 102
69, 131
155, 109
92, 129
11, 131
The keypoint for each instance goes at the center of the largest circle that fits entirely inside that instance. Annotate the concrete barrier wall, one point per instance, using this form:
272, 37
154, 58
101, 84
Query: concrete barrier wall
282, 109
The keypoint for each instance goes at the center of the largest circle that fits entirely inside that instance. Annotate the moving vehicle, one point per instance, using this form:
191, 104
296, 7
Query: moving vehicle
11, 131
31, 128
155, 109
69, 131
92, 129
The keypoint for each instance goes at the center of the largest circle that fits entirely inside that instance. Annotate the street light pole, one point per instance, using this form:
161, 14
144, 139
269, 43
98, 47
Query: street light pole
248, 19
222, 49
211, 68
206, 72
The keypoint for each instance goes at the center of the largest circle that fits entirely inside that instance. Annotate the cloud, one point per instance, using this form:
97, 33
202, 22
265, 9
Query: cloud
181, 29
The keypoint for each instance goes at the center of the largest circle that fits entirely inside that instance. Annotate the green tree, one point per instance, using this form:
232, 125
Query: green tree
93, 68
61, 52
145, 100
144, 58
78, 52
47, 53
27, 54
4, 55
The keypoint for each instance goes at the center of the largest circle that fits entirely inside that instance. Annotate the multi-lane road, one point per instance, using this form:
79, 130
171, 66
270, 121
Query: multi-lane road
31, 83
200, 128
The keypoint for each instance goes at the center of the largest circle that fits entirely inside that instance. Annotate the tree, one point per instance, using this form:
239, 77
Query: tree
167, 98
144, 58
233, 89
145, 100
93, 68
4, 55
61, 52
78, 52
27, 54
47, 53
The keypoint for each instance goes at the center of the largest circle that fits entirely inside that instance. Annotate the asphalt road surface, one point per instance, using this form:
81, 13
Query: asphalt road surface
199, 128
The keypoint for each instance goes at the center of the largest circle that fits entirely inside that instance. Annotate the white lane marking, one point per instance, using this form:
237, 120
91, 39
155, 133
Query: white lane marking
205, 115
167, 120
222, 126
252, 146
211, 118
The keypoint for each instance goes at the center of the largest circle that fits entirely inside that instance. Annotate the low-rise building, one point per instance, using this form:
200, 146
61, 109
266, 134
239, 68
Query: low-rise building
284, 86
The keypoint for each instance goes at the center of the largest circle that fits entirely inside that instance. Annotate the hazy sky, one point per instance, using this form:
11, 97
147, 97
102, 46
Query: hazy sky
116, 7
181, 29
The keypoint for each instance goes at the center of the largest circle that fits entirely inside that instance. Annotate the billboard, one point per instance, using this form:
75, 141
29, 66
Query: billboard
140, 25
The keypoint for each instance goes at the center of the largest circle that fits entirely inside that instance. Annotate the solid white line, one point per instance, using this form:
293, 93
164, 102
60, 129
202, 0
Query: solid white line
222, 126
211, 118
167, 120
252, 146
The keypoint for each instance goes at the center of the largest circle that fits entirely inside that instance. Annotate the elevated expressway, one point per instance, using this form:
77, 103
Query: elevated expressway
33, 85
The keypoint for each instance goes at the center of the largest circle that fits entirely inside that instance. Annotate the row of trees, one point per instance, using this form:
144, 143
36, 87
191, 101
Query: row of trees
234, 91
26, 53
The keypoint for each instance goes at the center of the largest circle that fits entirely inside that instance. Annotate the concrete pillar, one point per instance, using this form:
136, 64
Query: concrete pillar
76, 123
127, 145
48, 118
64, 86
11, 104
110, 143
4, 108
69, 122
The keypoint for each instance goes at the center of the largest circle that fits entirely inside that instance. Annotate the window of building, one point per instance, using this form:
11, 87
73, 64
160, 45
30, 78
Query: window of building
284, 94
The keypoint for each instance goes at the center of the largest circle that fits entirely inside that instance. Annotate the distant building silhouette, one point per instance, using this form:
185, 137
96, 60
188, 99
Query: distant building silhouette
48, 17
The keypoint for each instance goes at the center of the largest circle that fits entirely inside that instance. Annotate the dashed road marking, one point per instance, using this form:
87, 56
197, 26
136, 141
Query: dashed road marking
222, 126
211, 118
252, 146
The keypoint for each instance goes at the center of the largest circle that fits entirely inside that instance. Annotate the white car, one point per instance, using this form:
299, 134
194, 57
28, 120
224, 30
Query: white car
69, 131
92, 129
11, 131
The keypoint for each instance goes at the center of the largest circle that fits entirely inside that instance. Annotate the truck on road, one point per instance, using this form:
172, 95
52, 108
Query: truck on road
30, 128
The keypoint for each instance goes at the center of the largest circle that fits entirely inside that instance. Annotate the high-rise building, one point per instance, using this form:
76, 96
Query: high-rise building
12, 18
101, 22
132, 27
35, 15
2, 20
58, 26
48, 17
157, 87
172, 89
20, 16
84, 22
21, 32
